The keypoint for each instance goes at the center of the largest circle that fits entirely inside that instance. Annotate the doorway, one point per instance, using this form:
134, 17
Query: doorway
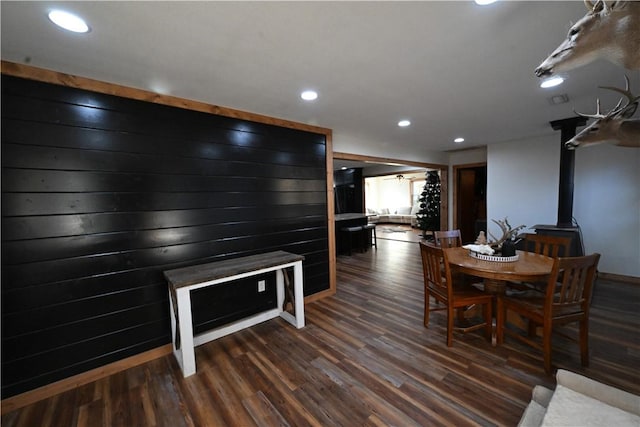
405, 166
470, 200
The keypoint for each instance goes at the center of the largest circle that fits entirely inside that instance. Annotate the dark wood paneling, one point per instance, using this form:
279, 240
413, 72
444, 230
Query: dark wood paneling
38, 227
100, 194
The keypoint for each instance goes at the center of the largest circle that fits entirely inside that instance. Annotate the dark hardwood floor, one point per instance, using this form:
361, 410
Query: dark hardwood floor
364, 358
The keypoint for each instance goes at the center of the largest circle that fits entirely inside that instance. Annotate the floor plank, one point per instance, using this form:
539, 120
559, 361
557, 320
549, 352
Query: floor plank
364, 358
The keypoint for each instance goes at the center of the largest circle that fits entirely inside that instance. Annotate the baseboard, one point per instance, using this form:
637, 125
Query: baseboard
49, 390
619, 278
319, 295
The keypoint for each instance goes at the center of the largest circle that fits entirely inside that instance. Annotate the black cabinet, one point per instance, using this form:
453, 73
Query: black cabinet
348, 192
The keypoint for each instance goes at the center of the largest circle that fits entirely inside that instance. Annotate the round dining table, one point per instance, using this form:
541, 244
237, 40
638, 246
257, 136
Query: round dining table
529, 267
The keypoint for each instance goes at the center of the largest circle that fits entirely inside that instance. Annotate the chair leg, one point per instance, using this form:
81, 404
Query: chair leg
584, 342
488, 318
363, 239
426, 307
546, 348
374, 242
500, 316
450, 314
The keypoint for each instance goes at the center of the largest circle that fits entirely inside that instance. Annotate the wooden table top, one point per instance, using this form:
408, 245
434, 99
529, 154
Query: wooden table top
187, 276
529, 266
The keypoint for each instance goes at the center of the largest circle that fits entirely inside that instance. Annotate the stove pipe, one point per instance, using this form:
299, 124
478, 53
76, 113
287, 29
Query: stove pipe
567, 129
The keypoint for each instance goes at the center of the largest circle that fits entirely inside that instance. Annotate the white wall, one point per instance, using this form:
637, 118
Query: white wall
522, 183
606, 204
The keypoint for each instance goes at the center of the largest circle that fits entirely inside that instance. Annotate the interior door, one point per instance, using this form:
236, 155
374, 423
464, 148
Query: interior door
470, 200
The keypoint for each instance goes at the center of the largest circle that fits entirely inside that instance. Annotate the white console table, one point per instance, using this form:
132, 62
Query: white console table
184, 280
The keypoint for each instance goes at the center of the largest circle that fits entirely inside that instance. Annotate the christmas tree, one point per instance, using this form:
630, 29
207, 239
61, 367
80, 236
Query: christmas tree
429, 214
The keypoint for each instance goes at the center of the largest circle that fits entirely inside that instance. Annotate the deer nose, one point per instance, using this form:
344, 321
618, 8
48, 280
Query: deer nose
541, 72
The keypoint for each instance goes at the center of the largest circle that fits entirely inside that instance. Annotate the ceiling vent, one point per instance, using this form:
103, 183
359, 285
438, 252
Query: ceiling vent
559, 99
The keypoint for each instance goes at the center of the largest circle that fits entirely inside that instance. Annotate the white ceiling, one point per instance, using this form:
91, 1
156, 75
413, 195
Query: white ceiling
452, 68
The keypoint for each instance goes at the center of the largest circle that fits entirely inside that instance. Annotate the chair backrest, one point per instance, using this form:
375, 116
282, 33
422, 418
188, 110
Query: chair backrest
433, 267
551, 246
571, 284
447, 238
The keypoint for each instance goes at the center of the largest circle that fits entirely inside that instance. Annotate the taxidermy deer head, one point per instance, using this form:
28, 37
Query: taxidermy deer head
610, 31
614, 127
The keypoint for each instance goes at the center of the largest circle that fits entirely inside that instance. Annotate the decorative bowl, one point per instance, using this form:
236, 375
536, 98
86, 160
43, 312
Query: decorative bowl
493, 258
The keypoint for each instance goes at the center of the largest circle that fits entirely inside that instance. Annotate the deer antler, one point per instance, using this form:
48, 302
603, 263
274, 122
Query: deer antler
596, 6
507, 232
632, 102
597, 115
624, 111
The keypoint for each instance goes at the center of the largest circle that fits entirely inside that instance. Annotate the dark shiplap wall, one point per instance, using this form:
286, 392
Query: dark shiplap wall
100, 194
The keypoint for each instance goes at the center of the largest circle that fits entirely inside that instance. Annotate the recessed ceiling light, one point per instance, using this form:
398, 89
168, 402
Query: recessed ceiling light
458, 140
551, 82
404, 123
309, 95
484, 2
68, 21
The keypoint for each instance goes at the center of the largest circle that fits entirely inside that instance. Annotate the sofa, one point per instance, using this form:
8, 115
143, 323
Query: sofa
401, 215
581, 401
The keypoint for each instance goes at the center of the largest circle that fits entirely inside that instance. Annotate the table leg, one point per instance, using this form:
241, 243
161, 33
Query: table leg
289, 297
187, 352
173, 315
494, 286
298, 294
499, 321
280, 289
497, 288
297, 318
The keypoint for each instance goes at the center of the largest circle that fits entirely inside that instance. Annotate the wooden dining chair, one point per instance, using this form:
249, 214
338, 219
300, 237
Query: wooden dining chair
567, 299
447, 238
452, 295
543, 244
548, 245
